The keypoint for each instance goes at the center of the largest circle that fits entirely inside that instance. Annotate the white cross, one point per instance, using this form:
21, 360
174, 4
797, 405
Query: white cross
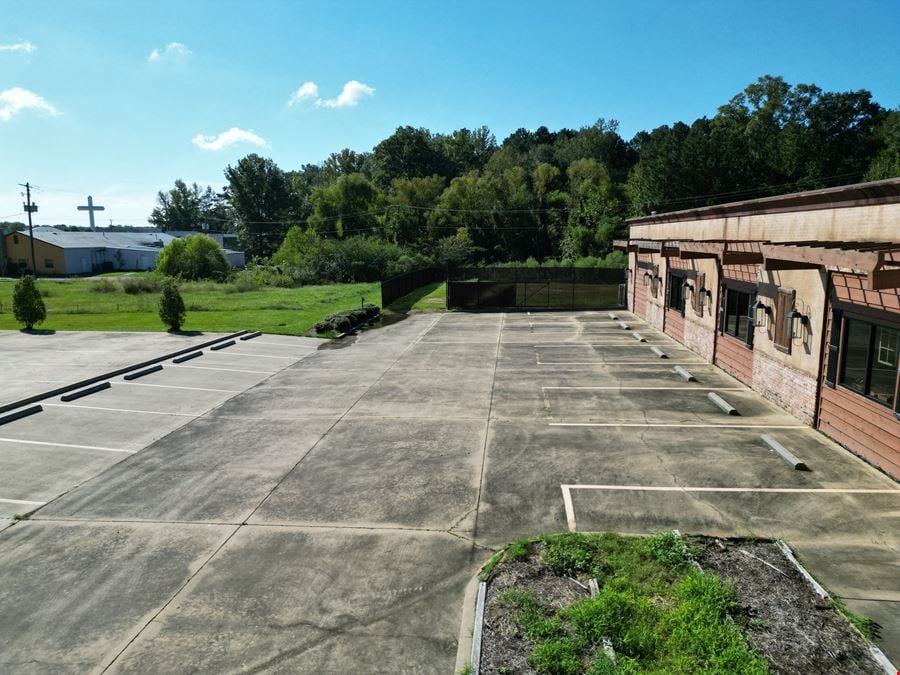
90, 208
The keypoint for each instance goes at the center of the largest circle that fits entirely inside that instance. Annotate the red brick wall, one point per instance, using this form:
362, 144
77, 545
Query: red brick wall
791, 389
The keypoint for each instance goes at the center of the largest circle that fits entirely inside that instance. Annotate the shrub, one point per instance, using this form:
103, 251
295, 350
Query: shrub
135, 285
341, 322
569, 553
561, 656
28, 306
104, 286
171, 306
196, 256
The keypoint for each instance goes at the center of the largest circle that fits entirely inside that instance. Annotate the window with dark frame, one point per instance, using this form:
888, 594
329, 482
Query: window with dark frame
48, 263
737, 314
676, 292
870, 361
15, 239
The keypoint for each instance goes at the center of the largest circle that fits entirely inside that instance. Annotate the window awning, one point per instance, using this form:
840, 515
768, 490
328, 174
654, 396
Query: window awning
879, 261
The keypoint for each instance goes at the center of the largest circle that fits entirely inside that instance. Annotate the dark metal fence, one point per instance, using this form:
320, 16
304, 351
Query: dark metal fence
535, 287
407, 283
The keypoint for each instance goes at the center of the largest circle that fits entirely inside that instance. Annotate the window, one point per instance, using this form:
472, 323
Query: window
737, 317
676, 292
784, 303
15, 239
870, 361
48, 263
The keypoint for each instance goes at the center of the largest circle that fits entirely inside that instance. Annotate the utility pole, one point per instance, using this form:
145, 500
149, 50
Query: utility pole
29, 209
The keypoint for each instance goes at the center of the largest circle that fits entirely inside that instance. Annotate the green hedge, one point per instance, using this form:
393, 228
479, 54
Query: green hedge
341, 322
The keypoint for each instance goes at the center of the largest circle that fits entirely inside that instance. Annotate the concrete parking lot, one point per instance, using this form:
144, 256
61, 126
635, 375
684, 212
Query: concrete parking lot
280, 507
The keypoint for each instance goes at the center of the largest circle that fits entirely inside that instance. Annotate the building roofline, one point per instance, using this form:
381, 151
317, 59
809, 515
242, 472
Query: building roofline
844, 196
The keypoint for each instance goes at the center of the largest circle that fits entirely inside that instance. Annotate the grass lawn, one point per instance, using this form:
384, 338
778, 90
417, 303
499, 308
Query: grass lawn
431, 297
211, 307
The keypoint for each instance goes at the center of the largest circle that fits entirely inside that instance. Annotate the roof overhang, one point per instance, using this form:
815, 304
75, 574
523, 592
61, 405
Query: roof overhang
879, 261
727, 252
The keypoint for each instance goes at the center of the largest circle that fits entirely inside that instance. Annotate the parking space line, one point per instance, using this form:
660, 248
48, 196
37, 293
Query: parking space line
66, 445
655, 362
21, 501
173, 386
678, 488
682, 388
287, 344
624, 343
226, 370
125, 410
679, 425
570, 508
261, 356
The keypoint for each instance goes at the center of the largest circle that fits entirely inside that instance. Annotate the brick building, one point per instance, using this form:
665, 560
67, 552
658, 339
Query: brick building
797, 296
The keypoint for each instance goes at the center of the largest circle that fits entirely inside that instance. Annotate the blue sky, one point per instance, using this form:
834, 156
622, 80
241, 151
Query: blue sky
118, 99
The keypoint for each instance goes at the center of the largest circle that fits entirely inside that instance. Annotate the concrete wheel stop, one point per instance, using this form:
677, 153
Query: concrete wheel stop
85, 392
186, 357
722, 404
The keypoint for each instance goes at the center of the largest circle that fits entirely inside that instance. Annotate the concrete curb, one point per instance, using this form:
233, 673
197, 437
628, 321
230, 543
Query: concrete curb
685, 374
113, 373
722, 404
186, 357
250, 336
19, 414
479, 625
464, 641
876, 653
222, 345
784, 453
145, 371
84, 392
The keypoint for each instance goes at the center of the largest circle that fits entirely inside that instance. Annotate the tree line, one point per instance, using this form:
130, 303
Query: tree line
539, 195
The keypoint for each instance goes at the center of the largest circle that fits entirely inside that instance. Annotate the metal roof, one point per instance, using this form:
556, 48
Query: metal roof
147, 241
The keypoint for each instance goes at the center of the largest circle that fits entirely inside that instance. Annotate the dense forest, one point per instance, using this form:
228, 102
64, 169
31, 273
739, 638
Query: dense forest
550, 197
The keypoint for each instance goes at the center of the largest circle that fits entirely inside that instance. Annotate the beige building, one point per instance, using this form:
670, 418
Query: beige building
798, 296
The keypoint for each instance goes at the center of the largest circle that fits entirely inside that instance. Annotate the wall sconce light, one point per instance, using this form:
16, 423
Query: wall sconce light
647, 278
654, 284
796, 323
688, 289
705, 297
760, 313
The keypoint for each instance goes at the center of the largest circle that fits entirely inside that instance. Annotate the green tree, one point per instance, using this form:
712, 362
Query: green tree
409, 153
193, 257
887, 163
171, 305
263, 203
410, 203
28, 305
346, 207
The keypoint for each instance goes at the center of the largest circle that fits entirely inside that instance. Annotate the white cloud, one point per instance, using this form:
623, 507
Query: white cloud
226, 139
17, 99
171, 50
352, 93
26, 47
306, 91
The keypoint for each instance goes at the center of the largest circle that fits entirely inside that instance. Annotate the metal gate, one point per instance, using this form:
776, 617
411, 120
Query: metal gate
535, 288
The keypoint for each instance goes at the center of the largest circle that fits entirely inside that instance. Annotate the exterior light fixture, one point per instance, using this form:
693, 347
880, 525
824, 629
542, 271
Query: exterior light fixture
705, 297
796, 323
688, 288
760, 313
654, 284
647, 278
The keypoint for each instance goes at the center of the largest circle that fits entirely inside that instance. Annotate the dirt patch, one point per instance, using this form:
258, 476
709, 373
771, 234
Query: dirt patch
789, 624
774, 608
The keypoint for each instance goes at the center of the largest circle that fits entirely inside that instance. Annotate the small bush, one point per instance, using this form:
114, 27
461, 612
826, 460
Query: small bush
667, 548
135, 285
171, 306
561, 656
28, 306
341, 322
104, 286
196, 256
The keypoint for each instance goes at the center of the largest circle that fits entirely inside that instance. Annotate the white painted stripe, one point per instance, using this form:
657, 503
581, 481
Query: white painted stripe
299, 345
124, 410
570, 510
587, 345
224, 370
254, 355
173, 386
22, 501
675, 488
654, 362
679, 425
682, 388
66, 445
